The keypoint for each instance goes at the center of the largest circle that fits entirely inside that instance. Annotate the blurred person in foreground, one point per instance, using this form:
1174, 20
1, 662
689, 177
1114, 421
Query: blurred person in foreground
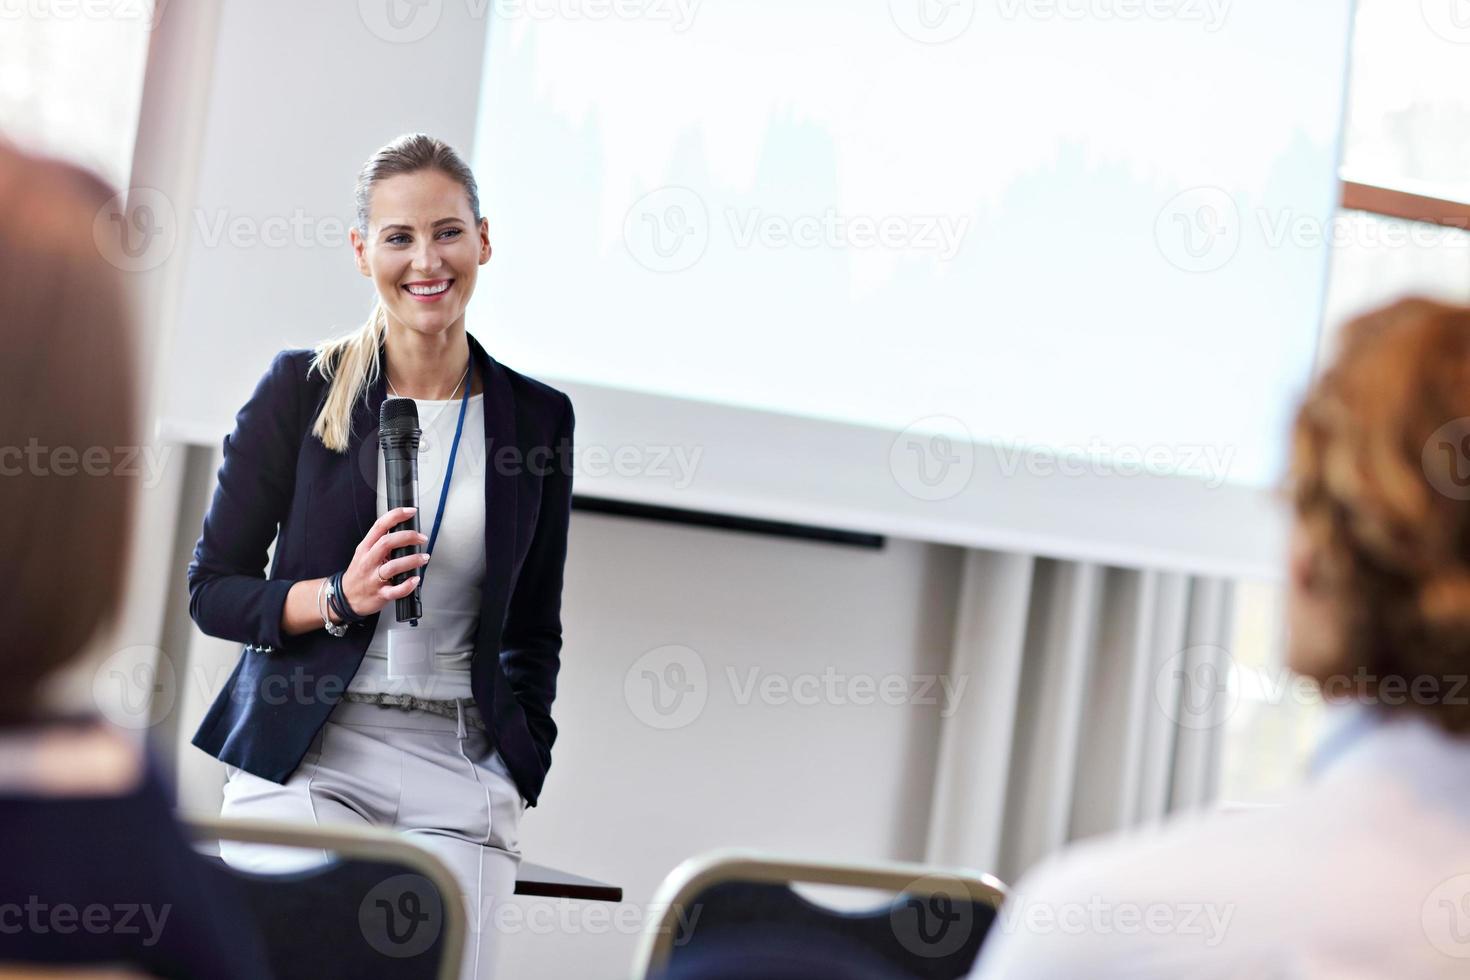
96, 878
1365, 870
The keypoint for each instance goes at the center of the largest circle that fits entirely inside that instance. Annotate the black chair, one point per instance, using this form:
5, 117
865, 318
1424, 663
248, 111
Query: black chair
383, 908
735, 914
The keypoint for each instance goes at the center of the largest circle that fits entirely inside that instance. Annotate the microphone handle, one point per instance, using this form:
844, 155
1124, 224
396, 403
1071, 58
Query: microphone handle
402, 472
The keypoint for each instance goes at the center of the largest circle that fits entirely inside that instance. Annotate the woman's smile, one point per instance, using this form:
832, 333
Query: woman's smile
428, 290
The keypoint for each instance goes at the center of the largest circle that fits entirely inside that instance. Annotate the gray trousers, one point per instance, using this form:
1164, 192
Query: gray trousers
372, 765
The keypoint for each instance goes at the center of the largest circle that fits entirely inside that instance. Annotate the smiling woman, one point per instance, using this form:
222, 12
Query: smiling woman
337, 712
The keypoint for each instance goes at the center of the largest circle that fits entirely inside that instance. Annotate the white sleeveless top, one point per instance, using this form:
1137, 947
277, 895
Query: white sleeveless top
456, 572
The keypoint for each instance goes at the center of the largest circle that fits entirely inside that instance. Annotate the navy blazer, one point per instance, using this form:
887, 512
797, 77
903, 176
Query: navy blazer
276, 473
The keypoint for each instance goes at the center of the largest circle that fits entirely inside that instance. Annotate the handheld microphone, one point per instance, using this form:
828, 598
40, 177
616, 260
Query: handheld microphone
398, 435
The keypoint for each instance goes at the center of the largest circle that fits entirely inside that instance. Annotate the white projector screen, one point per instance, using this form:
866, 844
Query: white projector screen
1032, 273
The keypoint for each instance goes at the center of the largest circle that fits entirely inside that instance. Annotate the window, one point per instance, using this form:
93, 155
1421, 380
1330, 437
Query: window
1401, 229
71, 81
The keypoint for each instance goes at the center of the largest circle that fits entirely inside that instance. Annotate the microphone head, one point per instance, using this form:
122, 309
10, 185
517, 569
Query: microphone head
398, 416
398, 428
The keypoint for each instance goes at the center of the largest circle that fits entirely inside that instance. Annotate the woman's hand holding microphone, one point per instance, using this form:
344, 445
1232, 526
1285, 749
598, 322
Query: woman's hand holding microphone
367, 584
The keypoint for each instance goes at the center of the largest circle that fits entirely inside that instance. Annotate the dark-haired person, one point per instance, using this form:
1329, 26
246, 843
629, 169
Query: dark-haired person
336, 712
1364, 871
94, 872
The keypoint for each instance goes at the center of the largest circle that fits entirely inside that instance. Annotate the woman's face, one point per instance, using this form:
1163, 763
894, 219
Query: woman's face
423, 249
1314, 647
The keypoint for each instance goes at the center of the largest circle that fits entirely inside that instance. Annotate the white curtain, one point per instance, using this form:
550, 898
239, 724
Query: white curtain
1095, 704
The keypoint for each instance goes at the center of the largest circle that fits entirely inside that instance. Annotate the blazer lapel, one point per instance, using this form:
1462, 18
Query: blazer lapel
501, 481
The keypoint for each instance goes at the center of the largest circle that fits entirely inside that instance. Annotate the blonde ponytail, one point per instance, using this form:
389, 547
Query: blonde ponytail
349, 364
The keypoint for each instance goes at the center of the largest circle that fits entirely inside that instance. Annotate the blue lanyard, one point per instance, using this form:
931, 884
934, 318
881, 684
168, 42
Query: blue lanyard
464, 403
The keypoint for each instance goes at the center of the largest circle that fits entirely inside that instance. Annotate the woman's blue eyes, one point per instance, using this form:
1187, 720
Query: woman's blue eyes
400, 237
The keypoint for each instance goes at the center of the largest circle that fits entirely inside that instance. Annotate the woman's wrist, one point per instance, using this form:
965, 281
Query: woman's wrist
324, 607
338, 602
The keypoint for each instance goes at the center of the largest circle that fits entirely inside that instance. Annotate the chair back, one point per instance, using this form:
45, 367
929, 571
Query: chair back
383, 908
736, 911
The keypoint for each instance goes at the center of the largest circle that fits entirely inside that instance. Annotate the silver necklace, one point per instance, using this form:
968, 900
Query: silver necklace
424, 444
